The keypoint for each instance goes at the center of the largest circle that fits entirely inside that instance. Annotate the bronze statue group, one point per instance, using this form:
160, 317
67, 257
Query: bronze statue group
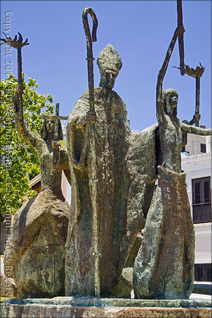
123, 186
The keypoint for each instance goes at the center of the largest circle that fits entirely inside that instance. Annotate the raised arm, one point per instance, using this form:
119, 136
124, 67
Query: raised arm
195, 130
26, 134
159, 102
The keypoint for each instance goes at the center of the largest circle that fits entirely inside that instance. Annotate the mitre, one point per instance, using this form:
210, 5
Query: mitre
109, 59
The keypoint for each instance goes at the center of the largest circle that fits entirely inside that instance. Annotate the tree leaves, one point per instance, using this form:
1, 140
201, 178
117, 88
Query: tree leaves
18, 160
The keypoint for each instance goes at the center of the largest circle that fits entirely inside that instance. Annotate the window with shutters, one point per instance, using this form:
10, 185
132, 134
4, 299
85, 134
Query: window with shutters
201, 200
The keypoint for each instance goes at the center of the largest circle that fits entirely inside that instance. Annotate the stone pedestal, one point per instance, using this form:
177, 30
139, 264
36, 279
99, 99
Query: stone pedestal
104, 307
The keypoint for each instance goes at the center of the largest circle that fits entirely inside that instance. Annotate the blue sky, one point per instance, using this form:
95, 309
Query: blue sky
139, 30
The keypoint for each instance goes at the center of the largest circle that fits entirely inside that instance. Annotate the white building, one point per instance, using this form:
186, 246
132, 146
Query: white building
196, 162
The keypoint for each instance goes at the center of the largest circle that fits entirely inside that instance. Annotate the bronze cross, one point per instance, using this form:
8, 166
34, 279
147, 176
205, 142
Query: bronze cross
56, 114
185, 69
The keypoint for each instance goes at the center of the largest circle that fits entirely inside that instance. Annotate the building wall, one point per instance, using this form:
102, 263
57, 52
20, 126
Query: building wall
198, 165
203, 243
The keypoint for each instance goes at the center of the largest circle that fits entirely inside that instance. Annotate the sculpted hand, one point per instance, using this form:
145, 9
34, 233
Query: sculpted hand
91, 117
81, 121
185, 122
55, 144
196, 118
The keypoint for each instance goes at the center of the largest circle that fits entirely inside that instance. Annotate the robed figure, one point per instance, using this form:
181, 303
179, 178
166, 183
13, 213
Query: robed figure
124, 187
164, 267
36, 246
111, 139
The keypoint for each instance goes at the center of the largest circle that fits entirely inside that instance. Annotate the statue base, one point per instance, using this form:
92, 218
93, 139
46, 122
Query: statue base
58, 307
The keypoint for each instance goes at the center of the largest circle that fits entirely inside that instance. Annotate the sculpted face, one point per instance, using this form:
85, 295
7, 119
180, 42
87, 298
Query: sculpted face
173, 99
50, 125
108, 79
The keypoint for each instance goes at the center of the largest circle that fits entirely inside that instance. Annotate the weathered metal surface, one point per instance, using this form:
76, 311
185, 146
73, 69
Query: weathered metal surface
164, 266
92, 115
197, 101
180, 38
18, 44
111, 135
90, 51
107, 218
36, 248
185, 69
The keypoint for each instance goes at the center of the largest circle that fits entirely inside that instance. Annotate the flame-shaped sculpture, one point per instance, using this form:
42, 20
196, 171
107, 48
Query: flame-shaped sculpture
17, 44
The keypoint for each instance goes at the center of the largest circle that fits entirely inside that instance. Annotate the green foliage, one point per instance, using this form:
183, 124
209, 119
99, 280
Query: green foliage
18, 160
63, 143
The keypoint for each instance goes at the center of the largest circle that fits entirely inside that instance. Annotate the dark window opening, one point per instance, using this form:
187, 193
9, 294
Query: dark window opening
201, 200
206, 191
197, 192
203, 148
209, 275
203, 272
199, 274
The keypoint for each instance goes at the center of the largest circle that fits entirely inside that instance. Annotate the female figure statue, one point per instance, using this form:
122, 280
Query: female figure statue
164, 267
36, 246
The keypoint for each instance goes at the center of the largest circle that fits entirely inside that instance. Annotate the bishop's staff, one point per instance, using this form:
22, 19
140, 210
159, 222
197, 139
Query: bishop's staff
92, 117
185, 69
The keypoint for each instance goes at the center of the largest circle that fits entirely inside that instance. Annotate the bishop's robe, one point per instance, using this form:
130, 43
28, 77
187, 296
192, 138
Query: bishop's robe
111, 144
124, 182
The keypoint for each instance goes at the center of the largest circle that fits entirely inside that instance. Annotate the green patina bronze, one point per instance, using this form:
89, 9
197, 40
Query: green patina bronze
129, 222
36, 247
164, 267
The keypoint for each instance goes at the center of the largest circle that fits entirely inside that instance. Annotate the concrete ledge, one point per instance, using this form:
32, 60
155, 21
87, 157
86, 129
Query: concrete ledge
60, 311
60, 307
111, 302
